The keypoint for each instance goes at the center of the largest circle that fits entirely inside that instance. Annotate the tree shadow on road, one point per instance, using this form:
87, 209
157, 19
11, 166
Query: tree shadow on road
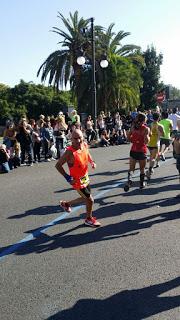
135, 304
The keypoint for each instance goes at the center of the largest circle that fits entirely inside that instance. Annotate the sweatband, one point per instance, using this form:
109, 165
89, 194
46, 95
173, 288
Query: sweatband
68, 177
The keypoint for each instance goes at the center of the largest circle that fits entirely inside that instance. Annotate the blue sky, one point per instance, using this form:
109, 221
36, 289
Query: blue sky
26, 40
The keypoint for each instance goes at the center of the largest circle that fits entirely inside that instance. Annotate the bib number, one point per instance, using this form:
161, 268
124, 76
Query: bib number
84, 180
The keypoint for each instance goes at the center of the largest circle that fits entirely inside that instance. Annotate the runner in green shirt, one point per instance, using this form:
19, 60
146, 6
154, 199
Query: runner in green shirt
166, 140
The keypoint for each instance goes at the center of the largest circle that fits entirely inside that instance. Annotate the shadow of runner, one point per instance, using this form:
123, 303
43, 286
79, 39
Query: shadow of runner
39, 211
126, 305
42, 242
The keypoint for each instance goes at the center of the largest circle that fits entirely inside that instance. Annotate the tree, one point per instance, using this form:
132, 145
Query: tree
175, 93
32, 100
61, 66
151, 76
121, 81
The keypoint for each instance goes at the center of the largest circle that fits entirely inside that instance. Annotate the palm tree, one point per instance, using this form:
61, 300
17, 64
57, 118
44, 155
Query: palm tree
61, 65
120, 83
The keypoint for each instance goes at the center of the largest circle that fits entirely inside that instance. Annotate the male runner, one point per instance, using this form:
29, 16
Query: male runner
176, 150
157, 131
77, 157
166, 140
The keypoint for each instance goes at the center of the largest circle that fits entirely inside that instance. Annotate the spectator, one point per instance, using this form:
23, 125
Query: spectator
104, 139
74, 117
101, 124
175, 118
117, 122
113, 137
9, 135
16, 156
90, 133
134, 114
109, 122
4, 158
36, 139
24, 137
47, 139
149, 117
59, 132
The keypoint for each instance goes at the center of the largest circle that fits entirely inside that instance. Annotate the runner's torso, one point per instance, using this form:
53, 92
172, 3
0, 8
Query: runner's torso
166, 124
137, 139
154, 139
79, 170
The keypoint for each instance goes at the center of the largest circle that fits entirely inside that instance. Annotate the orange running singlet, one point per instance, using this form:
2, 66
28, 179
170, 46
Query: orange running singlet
79, 171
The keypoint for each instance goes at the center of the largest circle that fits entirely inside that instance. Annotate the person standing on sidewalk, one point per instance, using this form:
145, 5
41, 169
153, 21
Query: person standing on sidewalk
77, 157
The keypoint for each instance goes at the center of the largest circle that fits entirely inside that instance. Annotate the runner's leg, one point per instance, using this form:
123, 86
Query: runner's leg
142, 165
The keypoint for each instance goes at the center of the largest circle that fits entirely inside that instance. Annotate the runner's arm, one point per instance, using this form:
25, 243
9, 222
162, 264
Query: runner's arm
161, 130
67, 157
146, 135
91, 161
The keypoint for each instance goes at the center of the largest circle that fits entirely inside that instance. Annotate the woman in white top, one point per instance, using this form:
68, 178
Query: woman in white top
59, 133
101, 124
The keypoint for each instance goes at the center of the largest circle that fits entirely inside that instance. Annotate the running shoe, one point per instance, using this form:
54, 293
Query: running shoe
163, 157
157, 165
65, 206
142, 185
92, 222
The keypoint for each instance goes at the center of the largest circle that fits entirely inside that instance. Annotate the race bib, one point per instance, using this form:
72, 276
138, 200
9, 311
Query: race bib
84, 180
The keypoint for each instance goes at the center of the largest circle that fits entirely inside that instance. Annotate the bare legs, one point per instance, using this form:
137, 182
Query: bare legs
132, 165
88, 201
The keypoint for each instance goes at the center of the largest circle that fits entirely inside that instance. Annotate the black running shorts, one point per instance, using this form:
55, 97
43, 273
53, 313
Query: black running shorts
138, 155
85, 192
167, 142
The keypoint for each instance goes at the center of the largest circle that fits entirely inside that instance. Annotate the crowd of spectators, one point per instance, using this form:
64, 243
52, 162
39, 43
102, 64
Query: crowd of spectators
45, 139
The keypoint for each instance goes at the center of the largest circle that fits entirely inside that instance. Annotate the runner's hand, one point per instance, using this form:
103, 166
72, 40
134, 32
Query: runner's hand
93, 165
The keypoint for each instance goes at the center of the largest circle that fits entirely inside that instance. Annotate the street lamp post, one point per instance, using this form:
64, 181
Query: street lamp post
94, 104
103, 63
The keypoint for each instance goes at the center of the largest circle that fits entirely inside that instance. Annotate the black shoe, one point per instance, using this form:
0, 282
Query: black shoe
127, 186
142, 185
163, 157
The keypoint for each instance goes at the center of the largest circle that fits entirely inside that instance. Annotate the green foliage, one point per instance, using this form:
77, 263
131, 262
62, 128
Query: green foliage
151, 76
32, 100
175, 93
118, 85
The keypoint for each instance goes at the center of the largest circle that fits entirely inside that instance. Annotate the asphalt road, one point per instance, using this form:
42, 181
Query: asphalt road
54, 267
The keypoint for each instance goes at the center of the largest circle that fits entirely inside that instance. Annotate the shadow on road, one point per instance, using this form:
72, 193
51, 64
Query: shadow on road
43, 242
40, 211
126, 305
45, 210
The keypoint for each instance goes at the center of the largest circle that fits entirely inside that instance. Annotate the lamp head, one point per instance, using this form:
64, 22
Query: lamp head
104, 63
81, 60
